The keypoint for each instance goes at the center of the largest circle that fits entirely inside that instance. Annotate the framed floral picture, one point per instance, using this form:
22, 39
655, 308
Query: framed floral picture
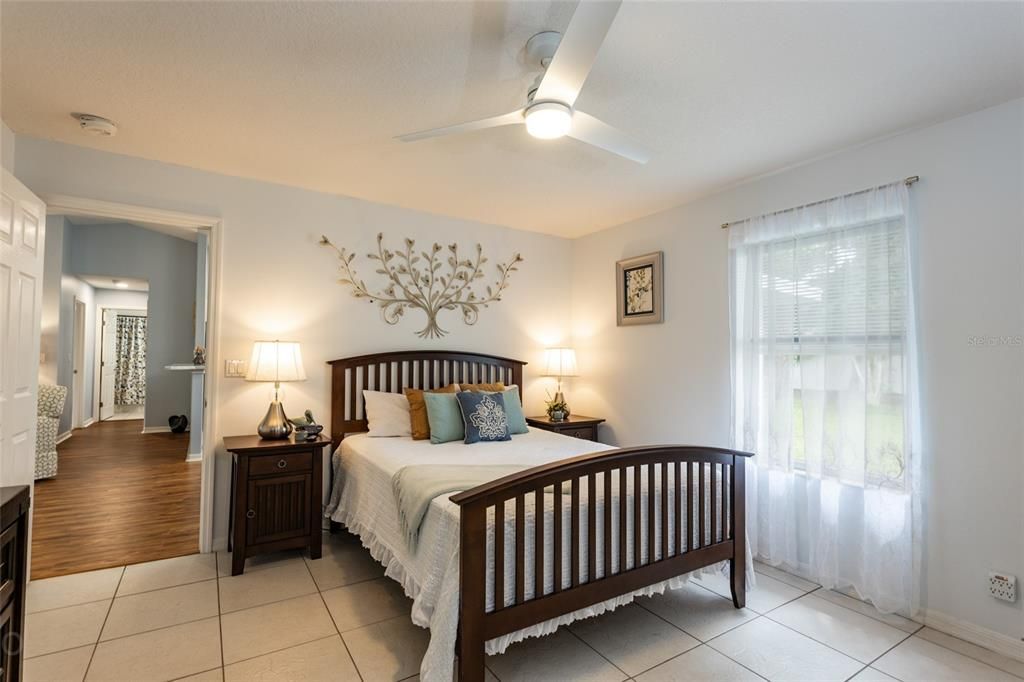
639, 284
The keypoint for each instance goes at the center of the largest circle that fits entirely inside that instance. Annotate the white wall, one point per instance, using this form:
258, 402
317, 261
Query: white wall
277, 282
671, 383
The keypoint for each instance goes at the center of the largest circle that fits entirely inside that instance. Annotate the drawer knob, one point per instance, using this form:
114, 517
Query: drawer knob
251, 514
281, 464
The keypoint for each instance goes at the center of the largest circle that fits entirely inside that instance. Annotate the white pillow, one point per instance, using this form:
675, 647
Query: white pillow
387, 414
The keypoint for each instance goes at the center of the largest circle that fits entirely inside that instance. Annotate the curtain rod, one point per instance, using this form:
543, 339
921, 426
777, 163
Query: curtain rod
908, 181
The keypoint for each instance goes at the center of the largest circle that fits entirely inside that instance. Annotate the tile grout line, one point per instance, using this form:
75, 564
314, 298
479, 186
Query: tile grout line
96, 644
917, 633
331, 615
568, 627
220, 622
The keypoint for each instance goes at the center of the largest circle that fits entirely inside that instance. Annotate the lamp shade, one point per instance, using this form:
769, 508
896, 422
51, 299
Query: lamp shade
560, 362
276, 361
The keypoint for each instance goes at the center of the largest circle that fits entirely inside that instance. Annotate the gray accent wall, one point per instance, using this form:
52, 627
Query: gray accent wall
169, 265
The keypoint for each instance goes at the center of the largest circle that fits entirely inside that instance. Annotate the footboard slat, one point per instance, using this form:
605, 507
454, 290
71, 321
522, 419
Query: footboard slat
591, 528
607, 501
574, 569
556, 555
719, 535
520, 548
499, 555
538, 543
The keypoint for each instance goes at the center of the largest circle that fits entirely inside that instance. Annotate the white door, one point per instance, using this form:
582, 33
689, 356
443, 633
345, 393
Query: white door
78, 367
22, 228
108, 362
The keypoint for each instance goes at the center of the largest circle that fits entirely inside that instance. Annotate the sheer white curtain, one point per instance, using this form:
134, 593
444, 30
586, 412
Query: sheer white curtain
825, 392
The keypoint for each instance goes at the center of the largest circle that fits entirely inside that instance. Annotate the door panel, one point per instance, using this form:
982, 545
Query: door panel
22, 228
108, 362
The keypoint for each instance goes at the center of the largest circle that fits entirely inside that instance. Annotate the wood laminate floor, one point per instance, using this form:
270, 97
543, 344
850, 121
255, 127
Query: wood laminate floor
120, 497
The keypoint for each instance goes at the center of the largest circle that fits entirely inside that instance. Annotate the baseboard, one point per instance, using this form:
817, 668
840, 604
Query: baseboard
61, 437
194, 457
975, 634
88, 422
156, 429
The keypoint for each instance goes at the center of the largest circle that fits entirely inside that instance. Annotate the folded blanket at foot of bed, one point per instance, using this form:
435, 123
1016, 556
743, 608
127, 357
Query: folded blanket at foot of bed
417, 485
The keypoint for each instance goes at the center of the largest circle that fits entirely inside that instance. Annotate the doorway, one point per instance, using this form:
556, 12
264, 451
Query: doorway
130, 376
122, 364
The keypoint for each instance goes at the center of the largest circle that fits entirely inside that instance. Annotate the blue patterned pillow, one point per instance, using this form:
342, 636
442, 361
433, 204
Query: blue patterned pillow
483, 415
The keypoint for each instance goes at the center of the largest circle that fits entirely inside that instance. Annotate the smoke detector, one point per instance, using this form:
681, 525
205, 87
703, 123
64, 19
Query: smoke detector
96, 125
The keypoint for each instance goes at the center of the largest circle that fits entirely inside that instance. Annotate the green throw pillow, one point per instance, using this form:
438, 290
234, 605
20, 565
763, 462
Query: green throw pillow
514, 411
444, 417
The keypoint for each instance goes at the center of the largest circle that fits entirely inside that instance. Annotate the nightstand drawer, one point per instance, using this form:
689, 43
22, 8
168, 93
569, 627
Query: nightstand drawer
280, 464
585, 432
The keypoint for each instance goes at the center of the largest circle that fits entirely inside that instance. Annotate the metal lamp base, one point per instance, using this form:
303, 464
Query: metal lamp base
275, 425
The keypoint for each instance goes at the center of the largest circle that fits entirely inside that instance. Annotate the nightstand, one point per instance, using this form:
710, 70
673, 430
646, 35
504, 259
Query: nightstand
576, 426
275, 496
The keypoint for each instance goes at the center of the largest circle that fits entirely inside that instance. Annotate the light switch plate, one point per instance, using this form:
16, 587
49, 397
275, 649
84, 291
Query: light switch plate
235, 369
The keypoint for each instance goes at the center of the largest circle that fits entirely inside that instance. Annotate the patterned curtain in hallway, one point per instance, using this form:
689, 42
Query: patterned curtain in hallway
130, 373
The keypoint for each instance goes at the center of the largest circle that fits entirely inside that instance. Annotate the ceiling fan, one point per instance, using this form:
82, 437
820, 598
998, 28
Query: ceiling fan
549, 112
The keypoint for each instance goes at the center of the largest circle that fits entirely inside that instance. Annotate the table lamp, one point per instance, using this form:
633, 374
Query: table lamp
275, 361
560, 362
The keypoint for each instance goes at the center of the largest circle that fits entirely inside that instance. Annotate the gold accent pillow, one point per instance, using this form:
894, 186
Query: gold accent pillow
496, 387
418, 423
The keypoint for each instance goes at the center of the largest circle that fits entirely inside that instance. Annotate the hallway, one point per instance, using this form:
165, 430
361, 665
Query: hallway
120, 497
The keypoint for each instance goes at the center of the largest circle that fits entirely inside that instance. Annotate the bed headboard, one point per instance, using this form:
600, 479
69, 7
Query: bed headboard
392, 372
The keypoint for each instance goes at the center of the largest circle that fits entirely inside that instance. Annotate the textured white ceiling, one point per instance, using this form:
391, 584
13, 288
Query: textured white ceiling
311, 94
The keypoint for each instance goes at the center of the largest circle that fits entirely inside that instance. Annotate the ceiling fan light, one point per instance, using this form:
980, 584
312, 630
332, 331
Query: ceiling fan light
548, 120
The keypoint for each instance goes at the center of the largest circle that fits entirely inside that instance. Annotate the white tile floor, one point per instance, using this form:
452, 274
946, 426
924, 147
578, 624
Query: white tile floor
338, 618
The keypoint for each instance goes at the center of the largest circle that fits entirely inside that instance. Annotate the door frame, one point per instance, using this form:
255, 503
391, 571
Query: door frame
60, 204
79, 311
98, 366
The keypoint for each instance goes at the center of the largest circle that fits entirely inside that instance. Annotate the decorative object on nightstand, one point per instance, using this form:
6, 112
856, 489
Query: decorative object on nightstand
559, 363
275, 496
576, 426
275, 361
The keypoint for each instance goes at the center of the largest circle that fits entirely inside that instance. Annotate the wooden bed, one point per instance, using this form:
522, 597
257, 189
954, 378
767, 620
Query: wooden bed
709, 525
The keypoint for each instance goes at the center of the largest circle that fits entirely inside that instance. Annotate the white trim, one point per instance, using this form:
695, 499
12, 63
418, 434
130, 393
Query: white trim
973, 633
155, 429
194, 457
61, 437
88, 422
59, 204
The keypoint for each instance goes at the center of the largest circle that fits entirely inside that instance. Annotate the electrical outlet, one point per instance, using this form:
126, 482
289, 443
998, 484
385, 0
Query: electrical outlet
235, 369
1003, 586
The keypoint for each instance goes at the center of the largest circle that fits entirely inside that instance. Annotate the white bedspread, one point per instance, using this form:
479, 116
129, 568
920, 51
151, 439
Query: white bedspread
362, 498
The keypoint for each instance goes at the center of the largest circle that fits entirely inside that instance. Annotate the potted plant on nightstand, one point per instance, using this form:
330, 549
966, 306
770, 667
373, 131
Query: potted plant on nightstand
558, 410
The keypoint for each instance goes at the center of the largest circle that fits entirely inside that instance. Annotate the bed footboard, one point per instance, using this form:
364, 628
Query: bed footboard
658, 512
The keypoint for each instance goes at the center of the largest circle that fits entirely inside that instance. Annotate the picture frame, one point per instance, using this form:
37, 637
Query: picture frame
639, 287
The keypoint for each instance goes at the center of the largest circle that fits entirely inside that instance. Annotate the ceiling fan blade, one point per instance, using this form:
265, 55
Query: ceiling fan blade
577, 51
593, 131
493, 122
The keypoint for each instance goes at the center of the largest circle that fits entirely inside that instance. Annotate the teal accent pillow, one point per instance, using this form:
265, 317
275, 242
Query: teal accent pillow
444, 417
483, 415
514, 411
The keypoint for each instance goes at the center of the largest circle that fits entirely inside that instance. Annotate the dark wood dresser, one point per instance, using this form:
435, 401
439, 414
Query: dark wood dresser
575, 426
14, 503
275, 496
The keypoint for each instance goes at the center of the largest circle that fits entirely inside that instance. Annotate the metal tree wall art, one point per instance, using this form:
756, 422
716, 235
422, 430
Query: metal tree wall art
421, 280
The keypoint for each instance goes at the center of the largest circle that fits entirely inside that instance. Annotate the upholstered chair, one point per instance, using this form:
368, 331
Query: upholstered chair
48, 411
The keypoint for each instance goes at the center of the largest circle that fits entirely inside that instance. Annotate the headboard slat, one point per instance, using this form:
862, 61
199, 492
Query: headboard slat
426, 370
